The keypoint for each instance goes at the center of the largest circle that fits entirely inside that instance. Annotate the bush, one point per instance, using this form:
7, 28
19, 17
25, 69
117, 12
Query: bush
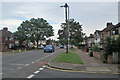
110, 45
18, 47
96, 48
104, 57
80, 45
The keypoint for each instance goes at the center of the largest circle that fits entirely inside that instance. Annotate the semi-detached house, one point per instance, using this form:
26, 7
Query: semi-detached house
6, 40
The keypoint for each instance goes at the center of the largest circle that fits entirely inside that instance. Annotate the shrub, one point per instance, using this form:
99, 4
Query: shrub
109, 45
96, 48
80, 45
104, 57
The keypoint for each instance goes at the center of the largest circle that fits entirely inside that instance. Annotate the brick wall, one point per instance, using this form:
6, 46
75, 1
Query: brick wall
97, 55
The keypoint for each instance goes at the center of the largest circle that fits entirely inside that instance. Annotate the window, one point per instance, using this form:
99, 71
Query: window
11, 39
116, 31
10, 45
6, 38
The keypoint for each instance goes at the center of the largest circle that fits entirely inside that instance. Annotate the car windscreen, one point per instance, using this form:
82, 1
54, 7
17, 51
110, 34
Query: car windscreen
49, 46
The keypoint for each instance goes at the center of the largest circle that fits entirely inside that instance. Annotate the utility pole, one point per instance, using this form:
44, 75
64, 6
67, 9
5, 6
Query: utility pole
67, 25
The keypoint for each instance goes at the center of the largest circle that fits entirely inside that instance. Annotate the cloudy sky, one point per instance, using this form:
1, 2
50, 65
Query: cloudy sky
92, 15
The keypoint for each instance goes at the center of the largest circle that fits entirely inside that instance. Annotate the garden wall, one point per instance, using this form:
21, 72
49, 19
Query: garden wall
97, 55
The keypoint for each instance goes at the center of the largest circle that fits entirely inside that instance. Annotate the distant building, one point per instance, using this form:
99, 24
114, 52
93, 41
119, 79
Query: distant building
97, 38
85, 41
6, 39
90, 41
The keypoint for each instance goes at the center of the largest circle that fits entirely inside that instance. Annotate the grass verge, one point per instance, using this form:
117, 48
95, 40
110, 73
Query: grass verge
71, 57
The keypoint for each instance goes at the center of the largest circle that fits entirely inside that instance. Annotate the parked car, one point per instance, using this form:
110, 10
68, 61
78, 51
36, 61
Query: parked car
40, 46
61, 46
49, 48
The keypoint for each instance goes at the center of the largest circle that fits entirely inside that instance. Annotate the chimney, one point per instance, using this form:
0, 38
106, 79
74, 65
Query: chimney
90, 34
109, 24
5, 29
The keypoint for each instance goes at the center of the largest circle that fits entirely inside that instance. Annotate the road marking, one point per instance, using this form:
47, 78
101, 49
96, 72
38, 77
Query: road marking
37, 60
46, 56
17, 64
19, 67
36, 72
40, 68
27, 64
92, 72
30, 76
116, 73
33, 62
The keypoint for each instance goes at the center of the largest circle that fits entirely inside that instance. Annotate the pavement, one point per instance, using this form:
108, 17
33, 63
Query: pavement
91, 65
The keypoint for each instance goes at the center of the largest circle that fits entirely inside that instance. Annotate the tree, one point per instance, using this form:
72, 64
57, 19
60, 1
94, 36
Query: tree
118, 44
35, 30
20, 36
76, 33
63, 41
72, 41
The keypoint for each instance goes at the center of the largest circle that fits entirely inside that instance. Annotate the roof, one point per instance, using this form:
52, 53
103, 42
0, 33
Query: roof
109, 27
117, 25
97, 31
5, 33
91, 36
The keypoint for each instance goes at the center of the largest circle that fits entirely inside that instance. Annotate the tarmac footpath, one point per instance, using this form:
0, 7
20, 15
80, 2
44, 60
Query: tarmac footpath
91, 65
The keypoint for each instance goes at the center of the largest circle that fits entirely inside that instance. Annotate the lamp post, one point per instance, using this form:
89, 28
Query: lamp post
67, 25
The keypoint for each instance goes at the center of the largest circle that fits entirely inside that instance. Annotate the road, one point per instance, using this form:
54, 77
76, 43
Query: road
31, 64
21, 65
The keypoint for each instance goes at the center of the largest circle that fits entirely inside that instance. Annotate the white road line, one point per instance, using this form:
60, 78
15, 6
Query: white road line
19, 67
33, 62
30, 76
36, 72
37, 60
16, 64
40, 68
46, 56
43, 66
27, 64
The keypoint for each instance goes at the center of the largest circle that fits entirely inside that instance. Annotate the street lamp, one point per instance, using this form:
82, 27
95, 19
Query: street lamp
67, 23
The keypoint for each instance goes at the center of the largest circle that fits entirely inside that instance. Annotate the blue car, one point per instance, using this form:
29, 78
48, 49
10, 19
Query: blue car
61, 46
49, 48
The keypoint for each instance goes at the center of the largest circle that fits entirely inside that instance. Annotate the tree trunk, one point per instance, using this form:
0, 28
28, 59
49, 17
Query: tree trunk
37, 44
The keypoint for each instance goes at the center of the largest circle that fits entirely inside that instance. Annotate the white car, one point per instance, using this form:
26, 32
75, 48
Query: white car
41, 46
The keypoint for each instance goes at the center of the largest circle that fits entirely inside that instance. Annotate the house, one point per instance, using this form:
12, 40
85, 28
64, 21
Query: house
41, 42
85, 41
52, 42
97, 38
110, 31
90, 41
6, 39
116, 30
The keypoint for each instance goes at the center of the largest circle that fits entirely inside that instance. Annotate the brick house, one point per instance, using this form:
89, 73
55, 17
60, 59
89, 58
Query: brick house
116, 30
6, 40
110, 31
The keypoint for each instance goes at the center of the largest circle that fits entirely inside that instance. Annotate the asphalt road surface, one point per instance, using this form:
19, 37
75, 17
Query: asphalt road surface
21, 65
31, 64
